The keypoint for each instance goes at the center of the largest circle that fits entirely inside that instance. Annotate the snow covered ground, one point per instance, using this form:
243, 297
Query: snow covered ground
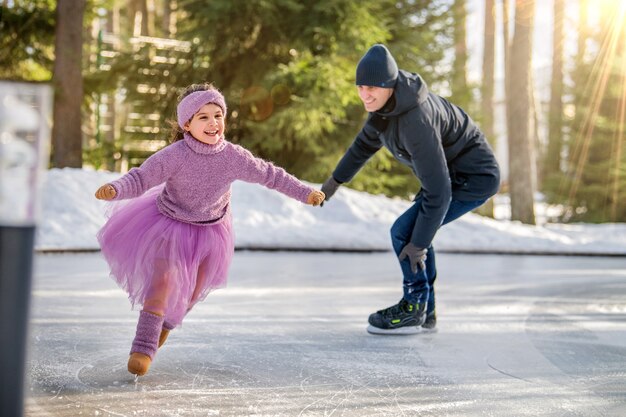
352, 220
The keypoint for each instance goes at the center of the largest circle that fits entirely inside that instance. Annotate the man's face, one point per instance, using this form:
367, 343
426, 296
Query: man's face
374, 98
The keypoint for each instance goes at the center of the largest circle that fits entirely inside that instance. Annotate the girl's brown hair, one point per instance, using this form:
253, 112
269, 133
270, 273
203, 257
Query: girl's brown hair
177, 131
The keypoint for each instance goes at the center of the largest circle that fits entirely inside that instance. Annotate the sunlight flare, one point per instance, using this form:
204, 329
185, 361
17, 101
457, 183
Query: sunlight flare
610, 62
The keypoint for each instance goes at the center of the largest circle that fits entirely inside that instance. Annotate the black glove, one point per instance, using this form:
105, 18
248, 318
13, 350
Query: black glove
329, 188
416, 255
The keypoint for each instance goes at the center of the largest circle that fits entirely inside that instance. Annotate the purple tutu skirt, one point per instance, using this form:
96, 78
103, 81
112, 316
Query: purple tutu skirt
156, 259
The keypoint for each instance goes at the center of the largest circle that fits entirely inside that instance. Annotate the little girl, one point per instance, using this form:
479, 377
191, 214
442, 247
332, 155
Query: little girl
171, 245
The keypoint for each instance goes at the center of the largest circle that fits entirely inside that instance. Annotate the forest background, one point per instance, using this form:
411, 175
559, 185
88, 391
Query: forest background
286, 68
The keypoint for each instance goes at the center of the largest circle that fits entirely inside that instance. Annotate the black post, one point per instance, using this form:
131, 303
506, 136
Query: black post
25, 110
16, 256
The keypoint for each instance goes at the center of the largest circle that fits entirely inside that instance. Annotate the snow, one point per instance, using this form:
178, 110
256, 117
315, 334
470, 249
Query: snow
350, 221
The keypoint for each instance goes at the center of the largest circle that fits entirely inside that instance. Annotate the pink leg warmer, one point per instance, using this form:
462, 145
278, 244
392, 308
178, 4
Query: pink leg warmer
147, 334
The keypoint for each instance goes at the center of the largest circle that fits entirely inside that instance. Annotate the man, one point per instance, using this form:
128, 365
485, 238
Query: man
447, 153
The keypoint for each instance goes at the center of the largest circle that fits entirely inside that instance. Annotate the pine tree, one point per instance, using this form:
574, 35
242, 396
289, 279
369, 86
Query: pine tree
287, 71
27, 40
596, 181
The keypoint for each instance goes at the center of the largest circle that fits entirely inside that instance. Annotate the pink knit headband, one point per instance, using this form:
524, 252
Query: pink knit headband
190, 105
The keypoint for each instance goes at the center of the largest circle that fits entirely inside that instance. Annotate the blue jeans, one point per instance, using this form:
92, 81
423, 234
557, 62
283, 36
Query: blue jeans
418, 288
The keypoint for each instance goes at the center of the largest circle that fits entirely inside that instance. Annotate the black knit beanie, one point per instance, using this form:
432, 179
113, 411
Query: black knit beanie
377, 68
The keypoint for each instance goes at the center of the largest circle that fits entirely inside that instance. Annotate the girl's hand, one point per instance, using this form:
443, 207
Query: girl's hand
106, 192
315, 198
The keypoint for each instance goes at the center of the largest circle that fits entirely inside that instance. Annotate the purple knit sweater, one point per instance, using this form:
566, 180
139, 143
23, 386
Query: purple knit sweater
198, 179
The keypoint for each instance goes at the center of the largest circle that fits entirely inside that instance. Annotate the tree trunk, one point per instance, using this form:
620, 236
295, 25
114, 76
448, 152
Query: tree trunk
68, 84
552, 161
579, 77
488, 87
142, 6
112, 26
166, 21
507, 57
535, 140
460, 91
138, 19
488, 71
617, 192
518, 102
113, 20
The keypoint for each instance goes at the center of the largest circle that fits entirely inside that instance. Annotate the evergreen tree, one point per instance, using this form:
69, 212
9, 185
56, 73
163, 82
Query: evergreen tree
27, 39
287, 70
285, 66
595, 186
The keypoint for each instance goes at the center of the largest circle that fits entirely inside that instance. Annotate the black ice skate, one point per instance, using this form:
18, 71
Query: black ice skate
402, 318
430, 325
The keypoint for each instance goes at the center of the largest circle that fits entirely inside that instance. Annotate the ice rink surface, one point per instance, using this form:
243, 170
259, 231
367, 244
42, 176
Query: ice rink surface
518, 336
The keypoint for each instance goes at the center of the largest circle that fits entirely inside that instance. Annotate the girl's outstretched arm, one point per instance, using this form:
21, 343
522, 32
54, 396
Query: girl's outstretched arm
153, 171
256, 170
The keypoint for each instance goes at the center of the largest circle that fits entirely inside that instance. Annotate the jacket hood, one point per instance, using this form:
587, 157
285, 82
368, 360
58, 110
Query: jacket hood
410, 90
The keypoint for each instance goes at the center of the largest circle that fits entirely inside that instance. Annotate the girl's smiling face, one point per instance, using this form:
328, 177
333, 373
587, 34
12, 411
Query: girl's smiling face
207, 125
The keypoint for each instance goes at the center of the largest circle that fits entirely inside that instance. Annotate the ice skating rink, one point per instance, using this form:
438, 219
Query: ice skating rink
518, 336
